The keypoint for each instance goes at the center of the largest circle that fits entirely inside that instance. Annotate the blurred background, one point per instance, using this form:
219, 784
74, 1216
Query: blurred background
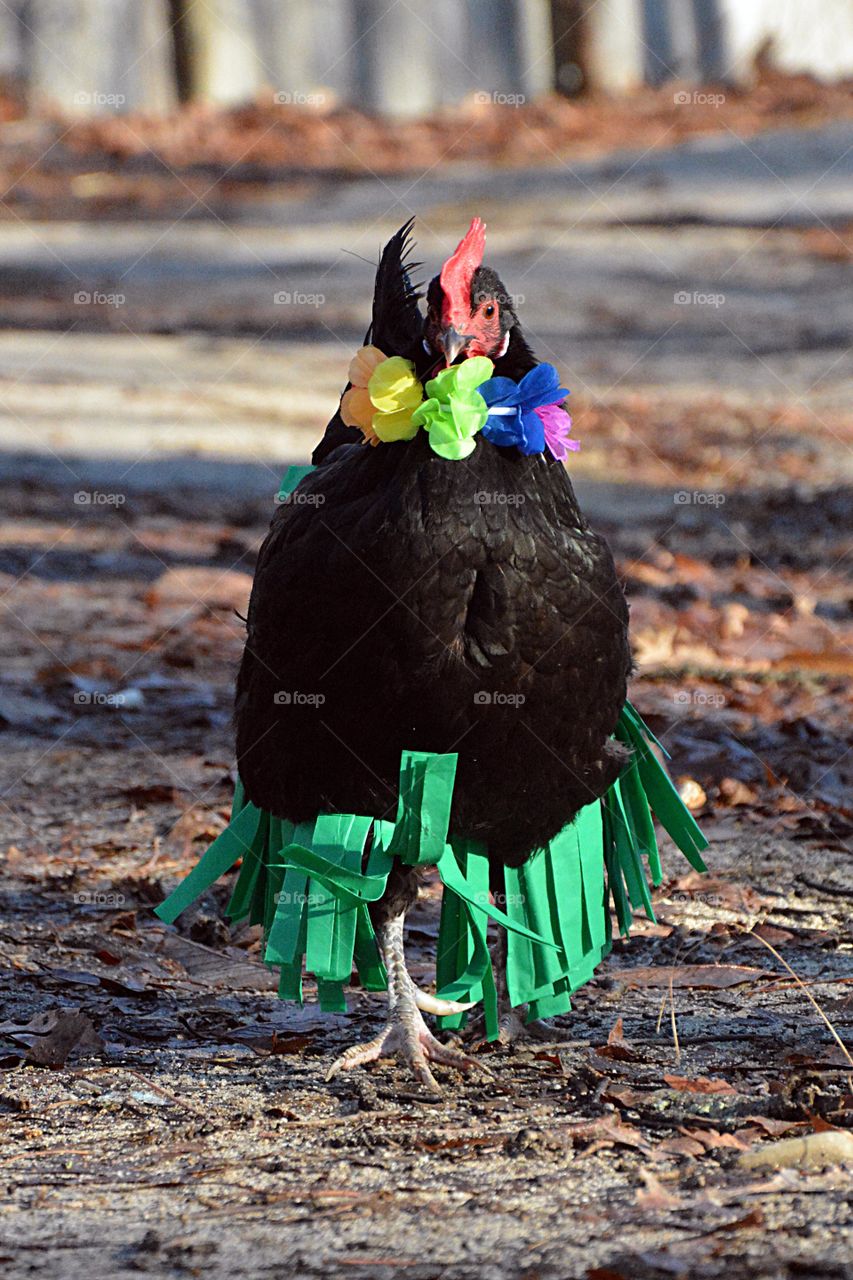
193, 194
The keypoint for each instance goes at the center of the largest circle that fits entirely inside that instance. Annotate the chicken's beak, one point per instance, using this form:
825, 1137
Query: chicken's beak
452, 343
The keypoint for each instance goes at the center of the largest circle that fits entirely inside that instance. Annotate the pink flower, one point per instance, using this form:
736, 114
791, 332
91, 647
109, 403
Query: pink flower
557, 424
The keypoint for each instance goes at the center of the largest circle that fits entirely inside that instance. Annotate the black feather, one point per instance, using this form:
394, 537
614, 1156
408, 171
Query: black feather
396, 325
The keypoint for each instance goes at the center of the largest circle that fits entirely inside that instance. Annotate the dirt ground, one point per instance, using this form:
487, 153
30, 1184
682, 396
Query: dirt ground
160, 1109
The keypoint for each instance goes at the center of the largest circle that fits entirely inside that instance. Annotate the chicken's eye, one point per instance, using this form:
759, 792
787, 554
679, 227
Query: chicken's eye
489, 310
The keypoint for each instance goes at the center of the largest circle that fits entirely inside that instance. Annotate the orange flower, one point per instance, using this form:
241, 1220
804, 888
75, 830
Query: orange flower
357, 408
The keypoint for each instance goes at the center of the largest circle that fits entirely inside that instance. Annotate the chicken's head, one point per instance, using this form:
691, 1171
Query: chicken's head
469, 312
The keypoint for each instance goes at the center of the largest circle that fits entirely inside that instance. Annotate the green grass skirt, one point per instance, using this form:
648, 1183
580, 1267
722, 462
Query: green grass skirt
310, 885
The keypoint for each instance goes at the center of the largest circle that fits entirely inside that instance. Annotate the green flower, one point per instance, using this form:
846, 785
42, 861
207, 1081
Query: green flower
455, 411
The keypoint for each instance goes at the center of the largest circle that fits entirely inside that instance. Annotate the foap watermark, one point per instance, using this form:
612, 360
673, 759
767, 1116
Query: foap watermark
297, 499
304, 899
683, 298
515, 300
484, 698
94, 98
284, 298
699, 698
97, 698
494, 498
707, 899
502, 900
96, 498
106, 901
698, 98
698, 498
295, 698
497, 98
97, 298
298, 98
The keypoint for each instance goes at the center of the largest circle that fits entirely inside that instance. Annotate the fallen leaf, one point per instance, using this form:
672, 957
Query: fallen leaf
289, 1044
692, 975
713, 1140
770, 933
617, 1047
154, 793
775, 1127
733, 620
702, 1084
126, 987
52, 1036
554, 1058
624, 1094
755, 1218
683, 1146
653, 1195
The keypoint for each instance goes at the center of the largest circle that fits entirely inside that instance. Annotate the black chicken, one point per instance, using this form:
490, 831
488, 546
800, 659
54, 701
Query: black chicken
405, 597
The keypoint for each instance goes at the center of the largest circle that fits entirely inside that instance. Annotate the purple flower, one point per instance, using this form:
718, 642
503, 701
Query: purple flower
557, 424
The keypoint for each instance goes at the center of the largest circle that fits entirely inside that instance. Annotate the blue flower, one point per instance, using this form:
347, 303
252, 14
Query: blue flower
513, 419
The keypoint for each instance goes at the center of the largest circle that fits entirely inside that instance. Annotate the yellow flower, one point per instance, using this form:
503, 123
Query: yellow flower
383, 396
396, 393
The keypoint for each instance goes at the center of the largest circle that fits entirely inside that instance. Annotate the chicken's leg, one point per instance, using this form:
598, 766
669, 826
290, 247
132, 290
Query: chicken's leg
406, 1035
512, 1028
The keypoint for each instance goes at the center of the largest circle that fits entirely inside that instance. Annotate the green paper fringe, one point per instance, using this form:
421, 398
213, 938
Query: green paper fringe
310, 885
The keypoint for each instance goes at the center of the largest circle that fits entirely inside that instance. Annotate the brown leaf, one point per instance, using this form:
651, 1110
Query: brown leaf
554, 1058
775, 1127
290, 1043
51, 1037
616, 1032
702, 1084
719, 892
695, 975
624, 1094
712, 1139
154, 793
654, 1195
681, 1147
605, 1130
617, 1047
755, 1218
770, 933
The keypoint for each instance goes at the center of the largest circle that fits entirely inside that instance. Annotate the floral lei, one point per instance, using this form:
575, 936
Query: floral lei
387, 403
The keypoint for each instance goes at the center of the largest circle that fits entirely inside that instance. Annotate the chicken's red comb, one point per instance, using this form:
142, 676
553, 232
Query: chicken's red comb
458, 270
